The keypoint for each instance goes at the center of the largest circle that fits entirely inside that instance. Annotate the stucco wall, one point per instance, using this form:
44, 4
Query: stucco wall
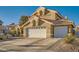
48, 27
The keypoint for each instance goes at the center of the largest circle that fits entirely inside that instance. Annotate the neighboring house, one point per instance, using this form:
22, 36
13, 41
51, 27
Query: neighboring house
45, 23
12, 29
8, 29
1, 29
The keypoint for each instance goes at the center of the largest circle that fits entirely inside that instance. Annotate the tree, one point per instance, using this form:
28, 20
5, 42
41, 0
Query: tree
1, 22
23, 19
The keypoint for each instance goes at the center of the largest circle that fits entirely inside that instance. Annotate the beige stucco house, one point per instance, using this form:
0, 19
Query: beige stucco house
45, 23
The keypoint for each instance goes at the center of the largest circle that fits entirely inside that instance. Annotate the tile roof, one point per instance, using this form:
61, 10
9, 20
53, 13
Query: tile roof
58, 22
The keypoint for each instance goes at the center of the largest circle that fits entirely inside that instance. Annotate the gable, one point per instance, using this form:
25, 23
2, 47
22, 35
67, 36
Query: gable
36, 21
47, 14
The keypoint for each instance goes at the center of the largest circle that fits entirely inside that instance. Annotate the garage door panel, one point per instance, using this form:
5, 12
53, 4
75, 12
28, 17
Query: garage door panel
37, 33
60, 32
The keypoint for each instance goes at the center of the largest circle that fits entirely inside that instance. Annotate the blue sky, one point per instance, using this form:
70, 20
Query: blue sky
11, 14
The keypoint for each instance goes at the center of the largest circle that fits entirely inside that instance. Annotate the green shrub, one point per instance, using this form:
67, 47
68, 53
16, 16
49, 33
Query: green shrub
69, 38
3, 37
13, 33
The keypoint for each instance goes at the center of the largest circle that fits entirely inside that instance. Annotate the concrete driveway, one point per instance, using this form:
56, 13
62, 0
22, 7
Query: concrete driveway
23, 45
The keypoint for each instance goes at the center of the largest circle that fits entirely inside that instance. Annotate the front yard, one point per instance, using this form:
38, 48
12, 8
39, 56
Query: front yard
17, 44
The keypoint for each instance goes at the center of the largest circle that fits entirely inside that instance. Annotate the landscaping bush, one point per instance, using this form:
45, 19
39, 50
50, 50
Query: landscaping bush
3, 37
13, 33
69, 38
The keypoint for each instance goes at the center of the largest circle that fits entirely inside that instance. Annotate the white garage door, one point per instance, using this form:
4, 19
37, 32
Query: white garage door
37, 33
60, 31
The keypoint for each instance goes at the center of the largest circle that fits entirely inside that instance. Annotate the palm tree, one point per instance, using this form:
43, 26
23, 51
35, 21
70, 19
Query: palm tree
23, 19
